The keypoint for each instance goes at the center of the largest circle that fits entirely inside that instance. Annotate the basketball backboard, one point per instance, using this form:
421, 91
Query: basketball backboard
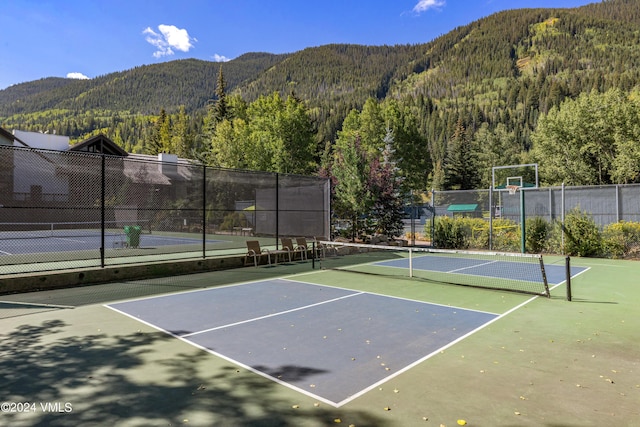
504, 178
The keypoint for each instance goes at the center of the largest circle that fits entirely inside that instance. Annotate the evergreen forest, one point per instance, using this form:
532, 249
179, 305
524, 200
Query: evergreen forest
557, 87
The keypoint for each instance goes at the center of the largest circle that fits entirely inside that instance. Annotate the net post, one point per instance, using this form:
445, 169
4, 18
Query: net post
313, 255
410, 262
567, 262
544, 278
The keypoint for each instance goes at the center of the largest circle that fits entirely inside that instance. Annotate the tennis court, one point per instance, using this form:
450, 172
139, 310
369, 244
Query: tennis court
494, 269
292, 346
90, 242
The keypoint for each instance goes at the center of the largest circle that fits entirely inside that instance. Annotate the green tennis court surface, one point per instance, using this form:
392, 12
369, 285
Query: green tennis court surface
543, 362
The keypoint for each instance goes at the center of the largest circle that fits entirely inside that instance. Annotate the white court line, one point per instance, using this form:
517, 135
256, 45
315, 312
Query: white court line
35, 304
227, 358
428, 356
271, 315
472, 266
564, 282
5, 253
454, 307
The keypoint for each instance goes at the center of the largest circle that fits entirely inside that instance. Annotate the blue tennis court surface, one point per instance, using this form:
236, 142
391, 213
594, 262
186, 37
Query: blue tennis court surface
82, 243
330, 343
512, 270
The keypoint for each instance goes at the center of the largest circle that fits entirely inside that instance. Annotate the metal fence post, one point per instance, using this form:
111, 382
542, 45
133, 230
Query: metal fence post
277, 209
562, 216
204, 211
617, 203
433, 218
103, 191
491, 213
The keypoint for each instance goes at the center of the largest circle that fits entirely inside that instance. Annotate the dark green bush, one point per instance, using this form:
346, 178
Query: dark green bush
537, 230
477, 232
506, 235
449, 234
621, 240
582, 235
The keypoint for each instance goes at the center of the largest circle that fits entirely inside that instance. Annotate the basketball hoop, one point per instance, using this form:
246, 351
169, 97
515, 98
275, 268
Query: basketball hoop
512, 189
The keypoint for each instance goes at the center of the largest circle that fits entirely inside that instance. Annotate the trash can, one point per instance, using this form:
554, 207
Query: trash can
133, 235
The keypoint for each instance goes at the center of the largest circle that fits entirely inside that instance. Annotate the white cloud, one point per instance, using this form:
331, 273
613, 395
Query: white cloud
170, 38
220, 58
424, 5
78, 76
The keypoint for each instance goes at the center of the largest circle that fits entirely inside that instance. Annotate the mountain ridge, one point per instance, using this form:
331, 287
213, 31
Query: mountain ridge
508, 67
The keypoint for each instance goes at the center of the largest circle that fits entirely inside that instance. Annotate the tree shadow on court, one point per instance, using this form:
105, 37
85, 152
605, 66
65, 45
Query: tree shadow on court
122, 379
289, 373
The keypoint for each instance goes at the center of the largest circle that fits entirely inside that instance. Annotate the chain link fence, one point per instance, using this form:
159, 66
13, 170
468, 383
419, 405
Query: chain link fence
62, 210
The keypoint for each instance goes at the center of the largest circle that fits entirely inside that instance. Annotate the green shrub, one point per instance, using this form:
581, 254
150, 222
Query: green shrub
554, 243
506, 235
477, 231
582, 235
462, 233
449, 233
537, 230
621, 240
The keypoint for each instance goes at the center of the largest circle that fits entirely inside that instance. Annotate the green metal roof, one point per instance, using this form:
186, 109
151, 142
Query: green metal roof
463, 208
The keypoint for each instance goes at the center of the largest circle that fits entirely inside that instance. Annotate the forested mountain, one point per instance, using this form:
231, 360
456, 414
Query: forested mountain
488, 83
145, 89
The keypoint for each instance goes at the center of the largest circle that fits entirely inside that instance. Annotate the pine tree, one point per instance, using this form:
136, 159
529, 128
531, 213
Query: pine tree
220, 108
462, 166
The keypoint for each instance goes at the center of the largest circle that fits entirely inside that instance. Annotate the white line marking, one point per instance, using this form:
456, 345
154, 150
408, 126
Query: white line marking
438, 351
472, 266
271, 315
235, 362
454, 307
35, 304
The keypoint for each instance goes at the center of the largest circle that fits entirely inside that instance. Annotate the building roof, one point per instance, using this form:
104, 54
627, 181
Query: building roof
6, 134
99, 144
463, 208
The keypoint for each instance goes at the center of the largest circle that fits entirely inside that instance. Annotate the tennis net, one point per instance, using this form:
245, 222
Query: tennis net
522, 273
41, 230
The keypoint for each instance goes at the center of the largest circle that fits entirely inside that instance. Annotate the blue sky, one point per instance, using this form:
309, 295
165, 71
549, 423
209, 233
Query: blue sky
89, 38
